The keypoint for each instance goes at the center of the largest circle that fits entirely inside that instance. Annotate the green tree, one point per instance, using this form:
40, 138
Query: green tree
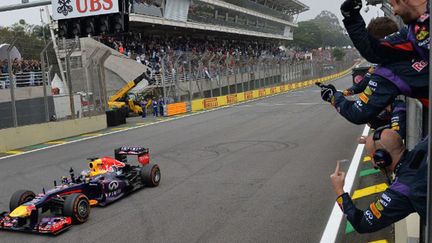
333, 33
308, 35
29, 38
322, 31
338, 54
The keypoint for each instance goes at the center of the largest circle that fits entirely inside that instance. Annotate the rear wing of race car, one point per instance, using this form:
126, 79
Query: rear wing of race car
121, 153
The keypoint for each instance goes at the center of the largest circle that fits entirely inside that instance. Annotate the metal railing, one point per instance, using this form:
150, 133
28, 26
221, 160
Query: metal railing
184, 76
22, 79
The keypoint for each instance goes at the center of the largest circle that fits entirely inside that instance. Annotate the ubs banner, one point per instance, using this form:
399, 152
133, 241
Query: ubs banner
67, 9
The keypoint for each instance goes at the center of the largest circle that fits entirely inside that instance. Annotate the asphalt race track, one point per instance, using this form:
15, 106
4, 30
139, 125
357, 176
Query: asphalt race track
256, 172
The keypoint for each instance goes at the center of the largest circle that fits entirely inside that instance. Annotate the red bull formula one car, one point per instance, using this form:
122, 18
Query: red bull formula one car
107, 180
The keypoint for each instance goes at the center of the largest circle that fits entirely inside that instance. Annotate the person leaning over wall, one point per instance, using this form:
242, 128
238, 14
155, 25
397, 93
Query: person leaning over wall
406, 193
384, 85
400, 46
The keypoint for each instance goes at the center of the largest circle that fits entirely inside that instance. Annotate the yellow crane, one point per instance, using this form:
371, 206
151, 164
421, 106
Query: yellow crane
121, 99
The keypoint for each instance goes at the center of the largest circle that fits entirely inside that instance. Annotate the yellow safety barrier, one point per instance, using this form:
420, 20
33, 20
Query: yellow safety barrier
231, 99
241, 97
197, 105
210, 103
222, 100
176, 109
249, 95
255, 94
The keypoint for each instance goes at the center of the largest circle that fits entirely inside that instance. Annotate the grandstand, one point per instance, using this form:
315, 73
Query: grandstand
223, 26
270, 19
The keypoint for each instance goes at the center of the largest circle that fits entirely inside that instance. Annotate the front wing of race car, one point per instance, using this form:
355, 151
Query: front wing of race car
47, 225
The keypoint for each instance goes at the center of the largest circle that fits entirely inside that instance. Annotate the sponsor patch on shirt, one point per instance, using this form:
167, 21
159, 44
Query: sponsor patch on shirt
373, 83
375, 211
385, 197
363, 97
368, 91
383, 202
422, 34
368, 216
418, 66
379, 206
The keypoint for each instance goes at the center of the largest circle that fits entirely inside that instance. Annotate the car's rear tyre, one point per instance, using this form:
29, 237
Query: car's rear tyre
20, 197
150, 175
77, 206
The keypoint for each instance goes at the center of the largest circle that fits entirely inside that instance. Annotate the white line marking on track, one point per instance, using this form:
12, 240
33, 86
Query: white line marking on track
332, 228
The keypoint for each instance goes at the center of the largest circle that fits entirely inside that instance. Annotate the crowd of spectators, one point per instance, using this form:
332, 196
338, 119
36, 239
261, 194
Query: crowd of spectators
25, 72
20, 66
151, 50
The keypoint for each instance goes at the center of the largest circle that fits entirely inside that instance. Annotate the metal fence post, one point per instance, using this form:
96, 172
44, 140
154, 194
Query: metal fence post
190, 81
12, 84
44, 81
209, 74
163, 70
218, 69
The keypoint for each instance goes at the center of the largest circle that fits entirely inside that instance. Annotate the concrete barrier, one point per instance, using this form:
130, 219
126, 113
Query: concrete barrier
13, 138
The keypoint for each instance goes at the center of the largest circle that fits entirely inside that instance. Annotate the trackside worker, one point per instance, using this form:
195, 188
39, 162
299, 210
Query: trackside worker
161, 106
404, 196
155, 108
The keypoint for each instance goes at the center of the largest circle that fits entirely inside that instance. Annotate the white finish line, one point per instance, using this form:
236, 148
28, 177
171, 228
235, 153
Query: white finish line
333, 224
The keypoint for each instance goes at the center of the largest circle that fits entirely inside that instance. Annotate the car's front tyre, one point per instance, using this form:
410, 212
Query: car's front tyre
77, 206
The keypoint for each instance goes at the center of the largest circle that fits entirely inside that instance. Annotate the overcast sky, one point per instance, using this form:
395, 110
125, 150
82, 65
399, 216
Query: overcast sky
316, 6
32, 15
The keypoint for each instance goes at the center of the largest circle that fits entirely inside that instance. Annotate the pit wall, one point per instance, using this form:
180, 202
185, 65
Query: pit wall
13, 138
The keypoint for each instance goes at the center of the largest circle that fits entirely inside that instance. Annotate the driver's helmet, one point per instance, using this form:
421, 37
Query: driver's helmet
97, 167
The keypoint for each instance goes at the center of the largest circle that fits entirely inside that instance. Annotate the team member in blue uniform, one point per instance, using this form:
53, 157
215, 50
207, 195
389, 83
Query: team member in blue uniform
155, 107
161, 104
393, 116
404, 196
358, 87
385, 84
409, 41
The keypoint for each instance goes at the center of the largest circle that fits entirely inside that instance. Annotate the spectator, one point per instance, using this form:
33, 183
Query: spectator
405, 195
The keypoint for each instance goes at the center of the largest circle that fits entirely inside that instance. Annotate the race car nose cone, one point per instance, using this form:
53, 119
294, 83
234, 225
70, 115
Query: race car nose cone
21, 211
